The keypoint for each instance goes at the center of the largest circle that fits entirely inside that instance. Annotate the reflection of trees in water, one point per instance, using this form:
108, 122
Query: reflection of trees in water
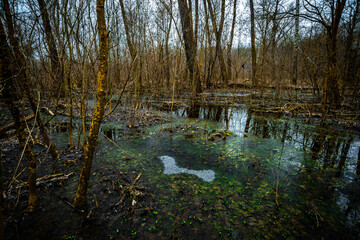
110, 133
194, 111
210, 112
334, 151
326, 148
331, 150
344, 152
358, 163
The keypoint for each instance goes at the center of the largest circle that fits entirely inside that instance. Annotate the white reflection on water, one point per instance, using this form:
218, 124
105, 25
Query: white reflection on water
172, 168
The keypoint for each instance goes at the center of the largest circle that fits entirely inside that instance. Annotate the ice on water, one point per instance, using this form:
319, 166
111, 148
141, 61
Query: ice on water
172, 168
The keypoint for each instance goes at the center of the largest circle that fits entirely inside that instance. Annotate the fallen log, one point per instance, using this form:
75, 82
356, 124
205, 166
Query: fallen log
47, 179
12, 125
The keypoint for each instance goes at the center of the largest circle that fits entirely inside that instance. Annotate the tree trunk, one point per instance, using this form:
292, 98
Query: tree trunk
68, 78
2, 204
333, 89
133, 51
10, 97
229, 62
167, 57
54, 56
190, 47
80, 198
218, 33
274, 31
297, 41
350, 53
21, 62
253, 47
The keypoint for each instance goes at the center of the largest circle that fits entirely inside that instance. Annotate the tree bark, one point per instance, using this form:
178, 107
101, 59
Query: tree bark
218, 34
297, 41
133, 51
331, 80
350, 53
253, 47
229, 61
190, 46
274, 31
21, 64
68, 78
2, 204
54, 56
10, 97
80, 198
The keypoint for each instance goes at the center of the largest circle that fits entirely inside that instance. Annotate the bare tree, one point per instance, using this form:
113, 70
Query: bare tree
23, 74
190, 45
253, 46
329, 15
80, 198
229, 60
10, 98
297, 41
53, 52
351, 51
218, 31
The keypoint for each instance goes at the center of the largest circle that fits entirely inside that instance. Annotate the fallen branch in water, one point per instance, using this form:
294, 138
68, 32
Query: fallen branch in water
46, 109
12, 125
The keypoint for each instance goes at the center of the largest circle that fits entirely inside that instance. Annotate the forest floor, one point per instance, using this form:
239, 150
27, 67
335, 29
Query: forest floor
111, 211
55, 217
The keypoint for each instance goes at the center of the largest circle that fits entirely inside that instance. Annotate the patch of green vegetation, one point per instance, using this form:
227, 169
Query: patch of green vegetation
251, 174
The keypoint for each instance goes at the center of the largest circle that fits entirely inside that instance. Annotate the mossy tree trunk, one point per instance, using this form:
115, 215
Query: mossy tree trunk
80, 198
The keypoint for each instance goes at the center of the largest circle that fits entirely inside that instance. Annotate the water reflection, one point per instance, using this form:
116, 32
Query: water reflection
331, 158
172, 168
334, 158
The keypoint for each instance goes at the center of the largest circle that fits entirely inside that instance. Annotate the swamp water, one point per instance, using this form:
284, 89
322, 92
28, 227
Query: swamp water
268, 179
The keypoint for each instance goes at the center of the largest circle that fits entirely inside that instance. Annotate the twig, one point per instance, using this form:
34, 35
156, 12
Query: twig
48, 178
143, 209
137, 179
48, 111
129, 154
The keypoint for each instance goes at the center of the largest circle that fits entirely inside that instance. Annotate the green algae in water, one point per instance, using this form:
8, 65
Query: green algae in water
241, 199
